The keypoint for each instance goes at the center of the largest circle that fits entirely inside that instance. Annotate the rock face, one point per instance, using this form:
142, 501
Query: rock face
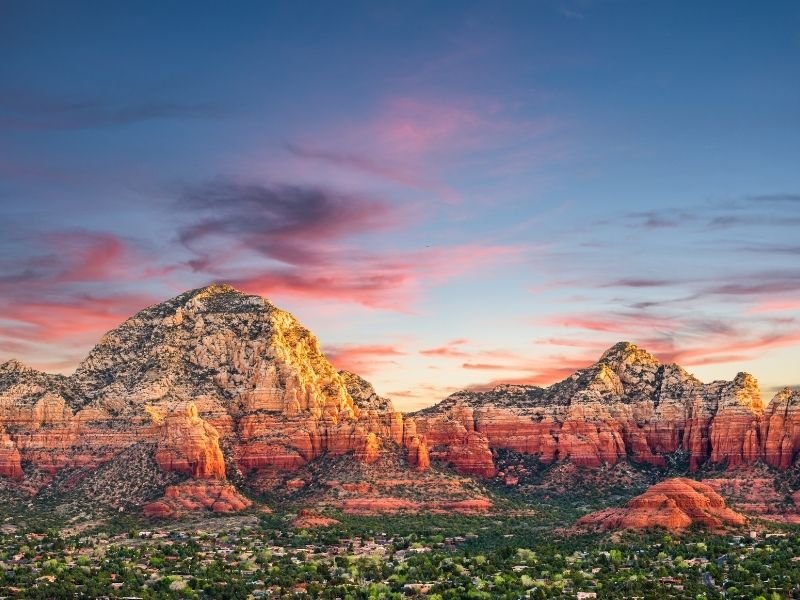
10, 459
189, 445
781, 429
672, 504
418, 453
452, 437
626, 406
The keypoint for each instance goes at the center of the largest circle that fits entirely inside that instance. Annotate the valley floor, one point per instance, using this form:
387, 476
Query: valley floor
528, 549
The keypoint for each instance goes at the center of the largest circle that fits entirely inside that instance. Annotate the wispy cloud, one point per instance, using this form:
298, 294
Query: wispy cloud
27, 109
363, 359
405, 176
297, 240
690, 340
452, 349
67, 290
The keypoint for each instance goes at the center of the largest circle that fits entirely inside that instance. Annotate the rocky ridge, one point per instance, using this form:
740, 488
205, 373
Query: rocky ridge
627, 406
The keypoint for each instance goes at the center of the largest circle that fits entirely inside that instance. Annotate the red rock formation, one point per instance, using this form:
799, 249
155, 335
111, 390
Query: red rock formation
626, 406
451, 437
781, 429
672, 504
370, 451
472, 456
384, 505
373, 506
262, 389
192, 496
189, 445
418, 456
308, 519
10, 460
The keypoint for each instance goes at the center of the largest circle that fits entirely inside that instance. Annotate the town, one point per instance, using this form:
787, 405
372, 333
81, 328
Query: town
263, 556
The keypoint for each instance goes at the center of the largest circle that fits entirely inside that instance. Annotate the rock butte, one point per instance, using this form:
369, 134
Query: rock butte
673, 504
216, 381
308, 519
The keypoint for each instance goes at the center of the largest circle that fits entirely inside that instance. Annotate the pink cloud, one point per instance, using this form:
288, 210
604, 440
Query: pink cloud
389, 281
450, 350
686, 339
543, 371
414, 127
489, 367
770, 306
363, 359
414, 140
58, 295
78, 317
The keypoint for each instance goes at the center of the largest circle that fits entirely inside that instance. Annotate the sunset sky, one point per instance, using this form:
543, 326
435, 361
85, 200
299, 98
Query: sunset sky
449, 194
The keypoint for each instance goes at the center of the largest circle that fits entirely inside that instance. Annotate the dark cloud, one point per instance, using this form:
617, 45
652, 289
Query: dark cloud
769, 210
757, 284
296, 240
775, 198
790, 249
28, 110
288, 223
640, 283
658, 219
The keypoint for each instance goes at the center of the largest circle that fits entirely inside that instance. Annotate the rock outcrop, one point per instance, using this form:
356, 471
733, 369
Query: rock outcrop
10, 459
781, 429
673, 504
189, 445
418, 455
193, 496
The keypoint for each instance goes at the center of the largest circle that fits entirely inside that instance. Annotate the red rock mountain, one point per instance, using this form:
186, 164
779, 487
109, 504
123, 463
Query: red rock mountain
217, 385
627, 406
672, 504
215, 382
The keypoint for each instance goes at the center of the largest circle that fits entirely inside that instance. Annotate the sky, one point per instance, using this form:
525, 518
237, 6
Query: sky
449, 194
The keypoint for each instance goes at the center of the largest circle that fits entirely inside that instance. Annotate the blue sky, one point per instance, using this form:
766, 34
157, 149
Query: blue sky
448, 194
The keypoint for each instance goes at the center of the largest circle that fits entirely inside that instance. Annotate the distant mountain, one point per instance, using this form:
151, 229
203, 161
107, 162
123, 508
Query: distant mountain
193, 403
627, 406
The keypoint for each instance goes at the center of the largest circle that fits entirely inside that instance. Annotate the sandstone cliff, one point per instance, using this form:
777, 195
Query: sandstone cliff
781, 429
